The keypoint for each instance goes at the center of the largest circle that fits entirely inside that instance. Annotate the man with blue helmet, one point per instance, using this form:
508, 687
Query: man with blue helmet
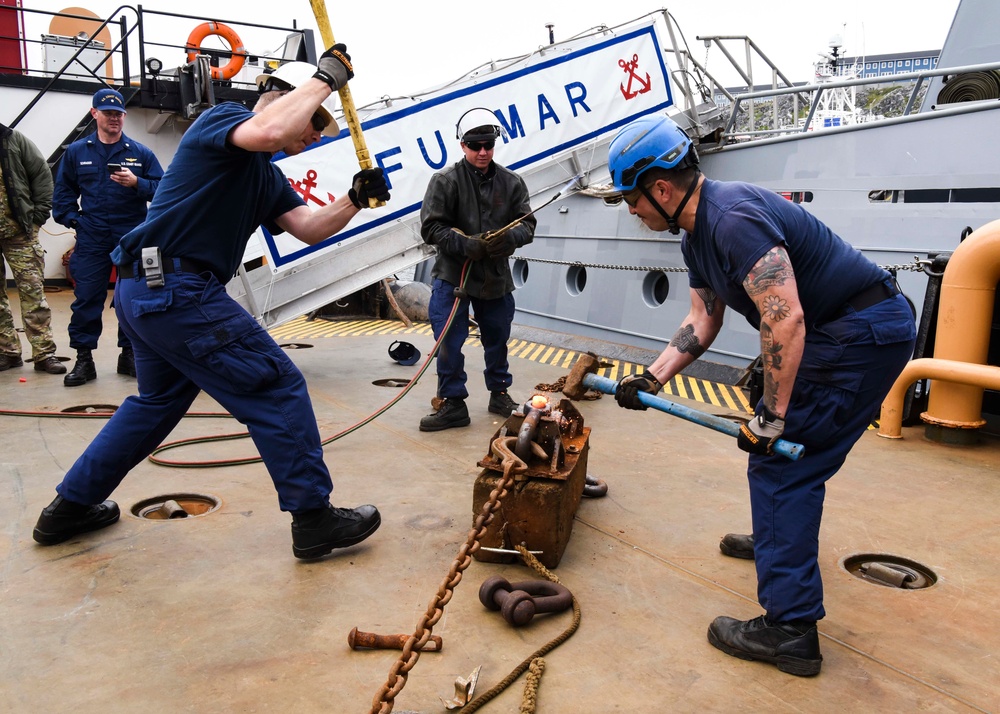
834, 335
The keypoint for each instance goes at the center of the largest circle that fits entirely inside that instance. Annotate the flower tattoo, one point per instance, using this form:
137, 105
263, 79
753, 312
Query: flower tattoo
775, 308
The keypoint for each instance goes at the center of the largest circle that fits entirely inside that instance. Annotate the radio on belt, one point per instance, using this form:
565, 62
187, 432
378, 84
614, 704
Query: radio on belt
152, 267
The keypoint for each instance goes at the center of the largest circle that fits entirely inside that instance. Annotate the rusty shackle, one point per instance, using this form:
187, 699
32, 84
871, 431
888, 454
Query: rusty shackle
595, 487
519, 602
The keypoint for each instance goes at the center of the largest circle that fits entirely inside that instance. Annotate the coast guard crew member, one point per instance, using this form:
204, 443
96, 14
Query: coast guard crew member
834, 335
189, 335
102, 187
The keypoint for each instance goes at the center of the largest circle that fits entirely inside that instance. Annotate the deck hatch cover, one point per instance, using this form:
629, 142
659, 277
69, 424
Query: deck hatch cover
890, 571
175, 506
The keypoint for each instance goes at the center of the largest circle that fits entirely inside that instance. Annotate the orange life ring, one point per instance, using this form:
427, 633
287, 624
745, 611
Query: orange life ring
239, 52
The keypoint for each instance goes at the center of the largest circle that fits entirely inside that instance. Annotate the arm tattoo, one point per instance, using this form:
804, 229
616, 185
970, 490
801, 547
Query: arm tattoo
773, 269
708, 297
771, 355
774, 308
686, 341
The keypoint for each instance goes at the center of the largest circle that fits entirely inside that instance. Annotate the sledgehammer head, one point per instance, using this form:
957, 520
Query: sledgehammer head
585, 364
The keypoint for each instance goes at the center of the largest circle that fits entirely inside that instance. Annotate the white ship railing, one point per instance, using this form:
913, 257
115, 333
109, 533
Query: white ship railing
816, 90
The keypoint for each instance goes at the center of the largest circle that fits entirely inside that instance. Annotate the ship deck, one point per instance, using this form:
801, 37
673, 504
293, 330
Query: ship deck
213, 614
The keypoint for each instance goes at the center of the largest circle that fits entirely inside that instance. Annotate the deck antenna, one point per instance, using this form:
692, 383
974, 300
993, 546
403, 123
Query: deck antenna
552, 35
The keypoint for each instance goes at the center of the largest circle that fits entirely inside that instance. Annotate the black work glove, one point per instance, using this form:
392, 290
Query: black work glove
367, 184
335, 67
758, 435
476, 247
502, 246
627, 391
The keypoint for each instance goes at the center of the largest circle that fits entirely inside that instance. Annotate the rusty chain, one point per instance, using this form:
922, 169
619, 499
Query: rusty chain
557, 386
503, 449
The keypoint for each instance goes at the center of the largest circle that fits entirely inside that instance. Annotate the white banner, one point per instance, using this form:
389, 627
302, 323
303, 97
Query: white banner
551, 102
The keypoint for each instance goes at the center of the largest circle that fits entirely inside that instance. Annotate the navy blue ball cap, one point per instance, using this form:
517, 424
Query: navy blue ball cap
404, 353
109, 100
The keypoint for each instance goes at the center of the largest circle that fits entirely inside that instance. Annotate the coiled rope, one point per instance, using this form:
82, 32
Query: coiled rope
535, 656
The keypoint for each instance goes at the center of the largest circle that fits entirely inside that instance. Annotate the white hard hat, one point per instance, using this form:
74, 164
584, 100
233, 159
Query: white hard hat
293, 74
478, 124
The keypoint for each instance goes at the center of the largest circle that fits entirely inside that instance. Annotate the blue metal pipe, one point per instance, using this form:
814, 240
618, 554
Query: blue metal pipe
787, 449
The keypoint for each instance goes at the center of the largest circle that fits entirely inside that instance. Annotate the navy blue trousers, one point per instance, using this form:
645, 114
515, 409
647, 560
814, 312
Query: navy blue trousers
90, 265
848, 367
190, 336
493, 317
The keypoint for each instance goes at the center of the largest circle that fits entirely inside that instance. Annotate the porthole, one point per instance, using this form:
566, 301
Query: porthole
519, 272
576, 279
655, 288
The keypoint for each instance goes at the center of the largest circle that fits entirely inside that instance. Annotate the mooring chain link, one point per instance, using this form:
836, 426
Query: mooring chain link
916, 265
580, 264
930, 267
503, 449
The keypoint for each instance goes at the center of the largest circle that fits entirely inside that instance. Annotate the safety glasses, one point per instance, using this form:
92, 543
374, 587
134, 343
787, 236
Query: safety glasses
319, 122
478, 146
630, 197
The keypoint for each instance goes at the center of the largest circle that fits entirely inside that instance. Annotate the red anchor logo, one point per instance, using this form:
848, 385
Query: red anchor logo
304, 188
630, 67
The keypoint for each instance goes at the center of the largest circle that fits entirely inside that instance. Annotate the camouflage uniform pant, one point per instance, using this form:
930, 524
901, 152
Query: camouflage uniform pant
27, 263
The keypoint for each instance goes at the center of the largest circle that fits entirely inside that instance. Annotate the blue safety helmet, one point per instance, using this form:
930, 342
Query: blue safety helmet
647, 142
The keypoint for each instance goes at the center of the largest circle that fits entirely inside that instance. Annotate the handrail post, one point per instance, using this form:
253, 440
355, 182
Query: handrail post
126, 74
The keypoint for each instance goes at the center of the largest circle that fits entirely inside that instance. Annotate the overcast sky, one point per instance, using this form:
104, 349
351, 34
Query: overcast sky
402, 46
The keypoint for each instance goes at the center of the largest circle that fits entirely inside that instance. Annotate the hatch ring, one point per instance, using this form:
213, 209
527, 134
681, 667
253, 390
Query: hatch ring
175, 506
890, 571
391, 382
91, 409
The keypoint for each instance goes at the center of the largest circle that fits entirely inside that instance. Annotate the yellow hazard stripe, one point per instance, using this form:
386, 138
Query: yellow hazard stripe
723, 396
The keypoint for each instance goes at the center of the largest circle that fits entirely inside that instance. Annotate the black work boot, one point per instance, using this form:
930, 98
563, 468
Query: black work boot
62, 519
83, 371
126, 362
737, 546
452, 413
502, 404
315, 533
792, 646
10, 361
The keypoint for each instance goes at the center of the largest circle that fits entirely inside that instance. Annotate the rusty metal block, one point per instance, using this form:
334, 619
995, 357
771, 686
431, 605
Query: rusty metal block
538, 510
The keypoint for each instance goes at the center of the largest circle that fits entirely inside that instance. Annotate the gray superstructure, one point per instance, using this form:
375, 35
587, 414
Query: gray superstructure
899, 189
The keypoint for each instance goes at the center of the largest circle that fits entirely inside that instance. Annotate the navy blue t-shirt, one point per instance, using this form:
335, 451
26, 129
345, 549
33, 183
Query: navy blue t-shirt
213, 197
737, 223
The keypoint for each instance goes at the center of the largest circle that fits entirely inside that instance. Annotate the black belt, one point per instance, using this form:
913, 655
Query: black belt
871, 296
186, 266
